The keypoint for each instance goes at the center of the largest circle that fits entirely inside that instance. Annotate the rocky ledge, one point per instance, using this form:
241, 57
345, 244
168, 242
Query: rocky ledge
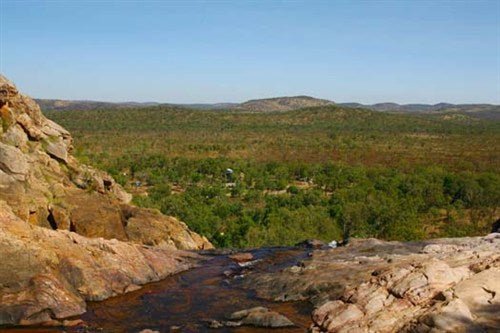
443, 285
68, 233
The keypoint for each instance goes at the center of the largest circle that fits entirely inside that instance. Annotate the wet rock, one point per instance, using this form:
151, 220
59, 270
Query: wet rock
248, 264
48, 275
241, 257
72, 323
215, 323
65, 237
260, 317
311, 244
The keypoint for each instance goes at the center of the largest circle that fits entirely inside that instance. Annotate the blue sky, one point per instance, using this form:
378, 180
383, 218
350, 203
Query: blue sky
231, 51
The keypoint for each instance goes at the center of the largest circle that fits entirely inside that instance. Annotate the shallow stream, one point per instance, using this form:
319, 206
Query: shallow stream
181, 302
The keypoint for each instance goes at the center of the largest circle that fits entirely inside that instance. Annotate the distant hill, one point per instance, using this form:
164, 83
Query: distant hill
256, 105
483, 111
60, 105
282, 103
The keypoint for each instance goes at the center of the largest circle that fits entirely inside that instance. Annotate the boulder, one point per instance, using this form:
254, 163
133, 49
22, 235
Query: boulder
149, 226
260, 317
241, 257
12, 160
58, 150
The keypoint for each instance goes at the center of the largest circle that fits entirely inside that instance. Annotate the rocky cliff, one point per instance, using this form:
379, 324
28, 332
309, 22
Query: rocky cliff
67, 231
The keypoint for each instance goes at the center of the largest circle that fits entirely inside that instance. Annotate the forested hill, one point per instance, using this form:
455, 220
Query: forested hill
300, 174
482, 111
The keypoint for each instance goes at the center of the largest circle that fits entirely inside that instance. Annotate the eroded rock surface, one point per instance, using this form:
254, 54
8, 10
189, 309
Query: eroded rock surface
445, 285
46, 186
258, 316
48, 275
68, 233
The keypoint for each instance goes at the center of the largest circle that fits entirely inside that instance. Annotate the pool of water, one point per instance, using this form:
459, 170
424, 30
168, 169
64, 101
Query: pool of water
182, 302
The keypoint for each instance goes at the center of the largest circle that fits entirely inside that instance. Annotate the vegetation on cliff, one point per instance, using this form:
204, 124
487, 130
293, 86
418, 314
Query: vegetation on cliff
309, 173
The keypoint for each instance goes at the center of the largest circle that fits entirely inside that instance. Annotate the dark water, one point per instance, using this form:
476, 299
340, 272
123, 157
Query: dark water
181, 302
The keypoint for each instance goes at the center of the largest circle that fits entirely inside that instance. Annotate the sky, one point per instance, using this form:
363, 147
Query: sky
231, 51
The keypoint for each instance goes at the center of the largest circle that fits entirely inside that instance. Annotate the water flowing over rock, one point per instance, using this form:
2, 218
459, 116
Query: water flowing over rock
68, 233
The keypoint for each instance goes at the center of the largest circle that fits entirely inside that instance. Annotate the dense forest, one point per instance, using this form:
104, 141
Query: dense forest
310, 173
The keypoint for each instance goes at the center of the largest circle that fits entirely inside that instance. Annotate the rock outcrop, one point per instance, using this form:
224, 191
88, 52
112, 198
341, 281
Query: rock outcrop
258, 316
68, 233
46, 186
47, 275
445, 285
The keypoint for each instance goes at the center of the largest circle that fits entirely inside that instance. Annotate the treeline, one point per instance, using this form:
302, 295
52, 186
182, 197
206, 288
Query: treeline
283, 203
311, 173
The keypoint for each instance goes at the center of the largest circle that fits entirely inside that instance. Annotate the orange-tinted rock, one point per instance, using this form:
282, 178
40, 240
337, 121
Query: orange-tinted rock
64, 235
46, 186
241, 257
49, 274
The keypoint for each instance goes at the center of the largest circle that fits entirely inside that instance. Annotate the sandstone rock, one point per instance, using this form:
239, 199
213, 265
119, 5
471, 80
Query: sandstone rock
452, 317
60, 217
12, 160
442, 285
151, 227
58, 150
337, 314
88, 200
481, 294
260, 317
7, 89
95, 215
241, 257
47, 274
15, 137
63, 230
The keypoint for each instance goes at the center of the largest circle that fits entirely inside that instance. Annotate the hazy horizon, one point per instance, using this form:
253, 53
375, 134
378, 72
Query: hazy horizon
407, 52
238, 102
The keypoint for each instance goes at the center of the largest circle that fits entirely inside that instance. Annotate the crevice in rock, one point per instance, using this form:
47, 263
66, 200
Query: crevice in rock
126, 214
58, 159
28, 134
491, 292
72, 227
107, 184
52, 220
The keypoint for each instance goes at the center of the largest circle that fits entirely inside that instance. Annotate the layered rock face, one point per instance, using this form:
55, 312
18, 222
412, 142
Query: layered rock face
446, 285
45, 186
67, 231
